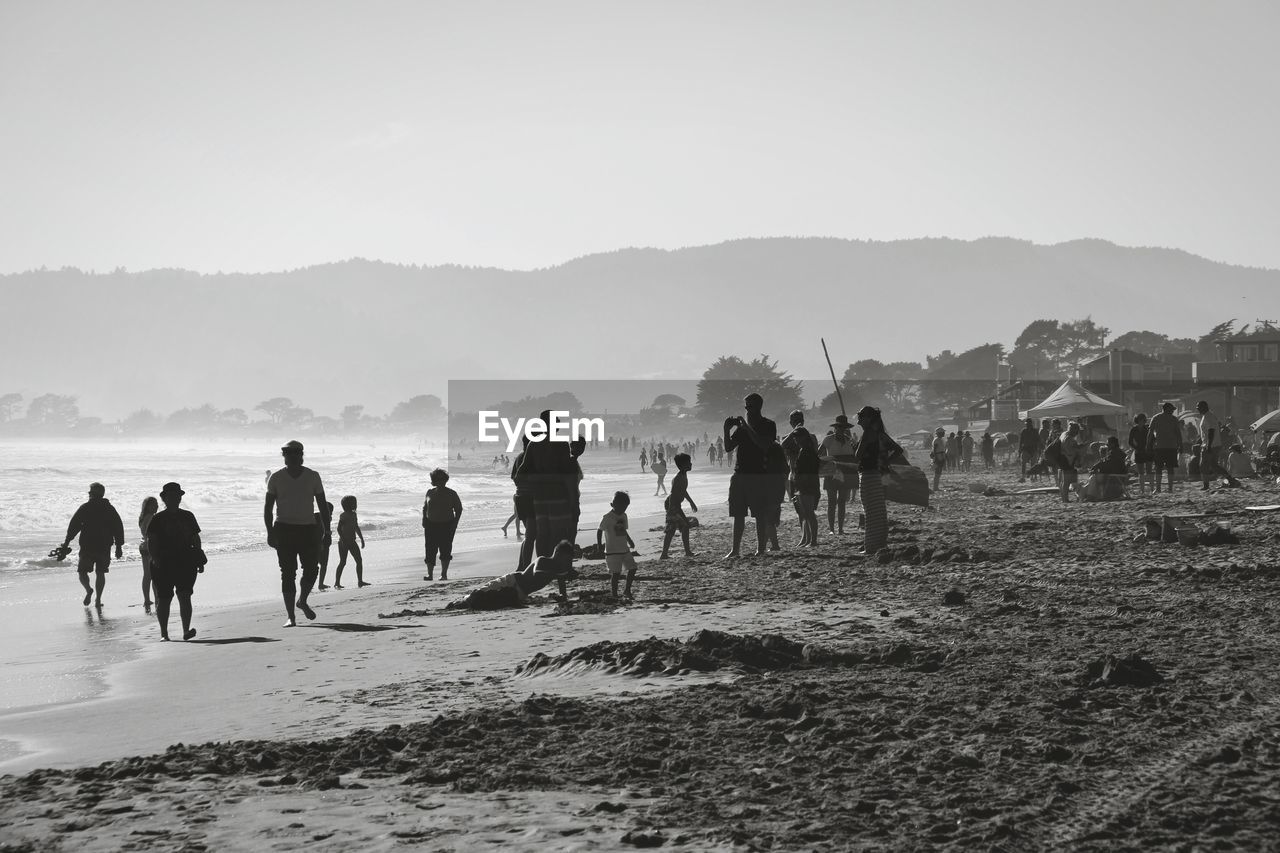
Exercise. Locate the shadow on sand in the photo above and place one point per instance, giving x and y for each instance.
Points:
(231, 640)
(352, 627)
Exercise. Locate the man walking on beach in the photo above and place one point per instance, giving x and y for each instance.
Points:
(98, 525)
(291, 527)
(749, 490)
(1028, 448)
(1210, 467)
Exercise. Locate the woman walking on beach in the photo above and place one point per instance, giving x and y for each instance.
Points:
(150, 506)
(659, 468)
(874, 451)
(174, 541)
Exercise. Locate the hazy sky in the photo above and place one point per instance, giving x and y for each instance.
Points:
(266, 135)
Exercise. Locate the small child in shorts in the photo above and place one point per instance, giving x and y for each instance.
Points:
(613, 538)
(676, 519)
(348, 530)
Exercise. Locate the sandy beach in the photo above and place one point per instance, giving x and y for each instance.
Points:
(953, 692)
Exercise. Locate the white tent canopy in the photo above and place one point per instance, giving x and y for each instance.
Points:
(1073, 400)
(1267, 423)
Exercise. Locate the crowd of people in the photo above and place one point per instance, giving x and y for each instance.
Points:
(768, 471)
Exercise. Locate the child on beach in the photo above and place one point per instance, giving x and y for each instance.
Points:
(326, 542)
(617, 544)
(348, 530)
(659, 468)
(676, 519)
(440, 515)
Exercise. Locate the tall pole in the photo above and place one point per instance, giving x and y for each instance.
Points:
(839, 396)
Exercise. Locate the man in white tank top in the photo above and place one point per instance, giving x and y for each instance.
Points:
(291, 527)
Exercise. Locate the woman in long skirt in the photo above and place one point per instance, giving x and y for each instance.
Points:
(873, 453)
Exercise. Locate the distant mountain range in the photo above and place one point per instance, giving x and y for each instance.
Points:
(367, 332)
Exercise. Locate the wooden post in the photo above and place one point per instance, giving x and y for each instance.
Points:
(839, 396)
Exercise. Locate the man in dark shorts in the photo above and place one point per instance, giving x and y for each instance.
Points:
(291, 527)
(1164, 438)
(98, 525)
(1028, 448)
(173, 539)
(749, 490)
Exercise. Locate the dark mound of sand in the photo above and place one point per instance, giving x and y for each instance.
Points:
(1111, 671)
(708, 651)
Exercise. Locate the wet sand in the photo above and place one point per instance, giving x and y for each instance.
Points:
(1045, 679)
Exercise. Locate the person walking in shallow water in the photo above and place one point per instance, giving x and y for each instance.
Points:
(150, 506)
(174, 539)
(291, 527)
(98, 525)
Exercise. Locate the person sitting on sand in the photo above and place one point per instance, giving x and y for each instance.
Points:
(291, 527)
(441, 512)
(513, 589)
(1109, 474)
(97, 524)
(615, 542)
(676, 519)
(150, 506)
(348, 530)
(1239, 464)
(174, 540)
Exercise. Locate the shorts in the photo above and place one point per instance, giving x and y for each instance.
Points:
(676, 522)
(1028, 456)
(806, 503)
(297, 544)
(1165, 457)
(439, 540)
(618, 562)
(748, 493)
(841, 490)
(99, 561)
(181, 581)
(524, 508)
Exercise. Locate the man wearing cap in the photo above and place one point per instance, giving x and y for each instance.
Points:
(291, 527)
(1164, 438)
(1211, 449)
(750, 437)
(173, 538)
(839, 449)
(97, 524)
(1028, 447)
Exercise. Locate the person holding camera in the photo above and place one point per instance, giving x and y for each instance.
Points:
(749, 490)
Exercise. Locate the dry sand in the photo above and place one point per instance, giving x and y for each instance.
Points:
(878, 717)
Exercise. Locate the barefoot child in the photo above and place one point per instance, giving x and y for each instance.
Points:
(348, 530)
(676, 519)
(617, 545)
(440, 515)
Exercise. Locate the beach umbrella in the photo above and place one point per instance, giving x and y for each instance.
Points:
(1267, 423)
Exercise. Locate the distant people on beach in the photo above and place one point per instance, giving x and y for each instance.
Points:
(876, 450)
(966, 452)
(613, 538)
(324, 539)
(348, 531)
(513, 589)
(177, 556)
(676, 520)
(441, 512)
(1210, 430)
(98, 526)
(938, 456)
(1139, 442)
(841, 482)
(293, 493)
(150, 506)
(988, 449)
(659, 469)
(1028, 448)
(749, 439)
(644, 460)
